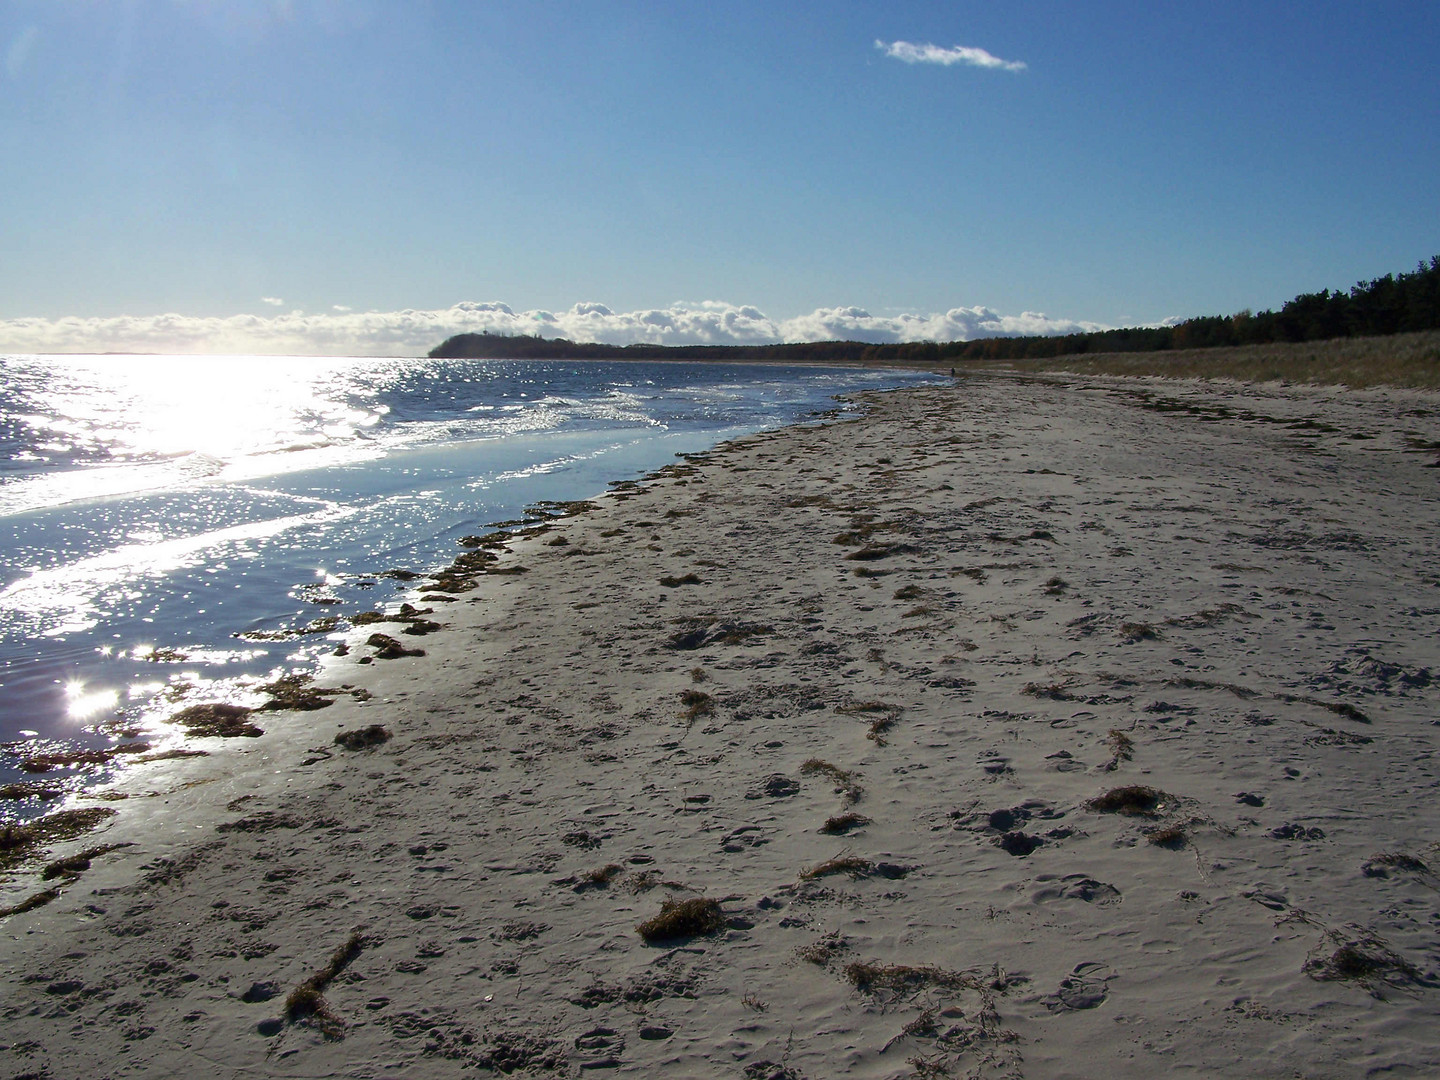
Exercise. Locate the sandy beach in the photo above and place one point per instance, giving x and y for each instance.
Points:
(1032, 727)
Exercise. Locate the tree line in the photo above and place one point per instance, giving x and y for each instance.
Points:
(1393, 304)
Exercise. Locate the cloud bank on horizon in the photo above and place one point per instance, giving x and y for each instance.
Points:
(912, 53)
(414, 333)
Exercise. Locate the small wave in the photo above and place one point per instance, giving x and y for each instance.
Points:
(64, 599)
(40, 491)
(299, 447)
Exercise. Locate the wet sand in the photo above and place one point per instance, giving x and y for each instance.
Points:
(1030, 727)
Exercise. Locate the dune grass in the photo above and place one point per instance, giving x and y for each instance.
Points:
(1408, 360)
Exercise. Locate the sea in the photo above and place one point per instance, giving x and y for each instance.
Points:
(176, 529)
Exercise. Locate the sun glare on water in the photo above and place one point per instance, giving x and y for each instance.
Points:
(223, 406)
(83, 703)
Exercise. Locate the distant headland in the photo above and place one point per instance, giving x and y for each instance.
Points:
(1393, 304)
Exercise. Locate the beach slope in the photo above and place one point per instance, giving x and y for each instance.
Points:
(1027, 727)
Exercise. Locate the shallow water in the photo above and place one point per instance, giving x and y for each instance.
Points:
(155, 507)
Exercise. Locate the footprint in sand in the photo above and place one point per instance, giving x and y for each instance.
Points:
(1005, 826)
(601, 1046)
(774, 786)
(1018, 843)
(1084, 988)
(995, 764)
(1291, 831)
(1077, 887)
(747, 836)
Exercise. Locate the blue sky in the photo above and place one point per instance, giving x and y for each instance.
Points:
(219, 159)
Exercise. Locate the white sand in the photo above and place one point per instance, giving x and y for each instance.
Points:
(1065, 564)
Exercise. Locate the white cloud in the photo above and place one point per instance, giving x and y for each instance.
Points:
(341, 307)
(957, 324)
(934, 54)
(414, 333)
(273, 301)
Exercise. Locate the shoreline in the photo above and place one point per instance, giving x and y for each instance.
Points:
(960, 619)
(352, 524)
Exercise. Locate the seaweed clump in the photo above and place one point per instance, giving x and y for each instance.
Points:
(218, 720)
(19, 842)
(307, 1001)
(1133, 800)
(68, 759)
(844, 779)
(1363, 958)
(697, 704)
(73, 865)
(363, 738)
(904, 979)
(841, 824)
(388, 648)
(30, 903)
(1173, 837)
(295, 692)
(17, 792)
(1380, 864)
(679, 919)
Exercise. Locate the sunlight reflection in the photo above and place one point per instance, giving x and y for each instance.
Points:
(83, 704)
(220, 406)
(69, 593)
(163, 421)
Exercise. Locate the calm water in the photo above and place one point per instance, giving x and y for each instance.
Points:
(152, 508)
